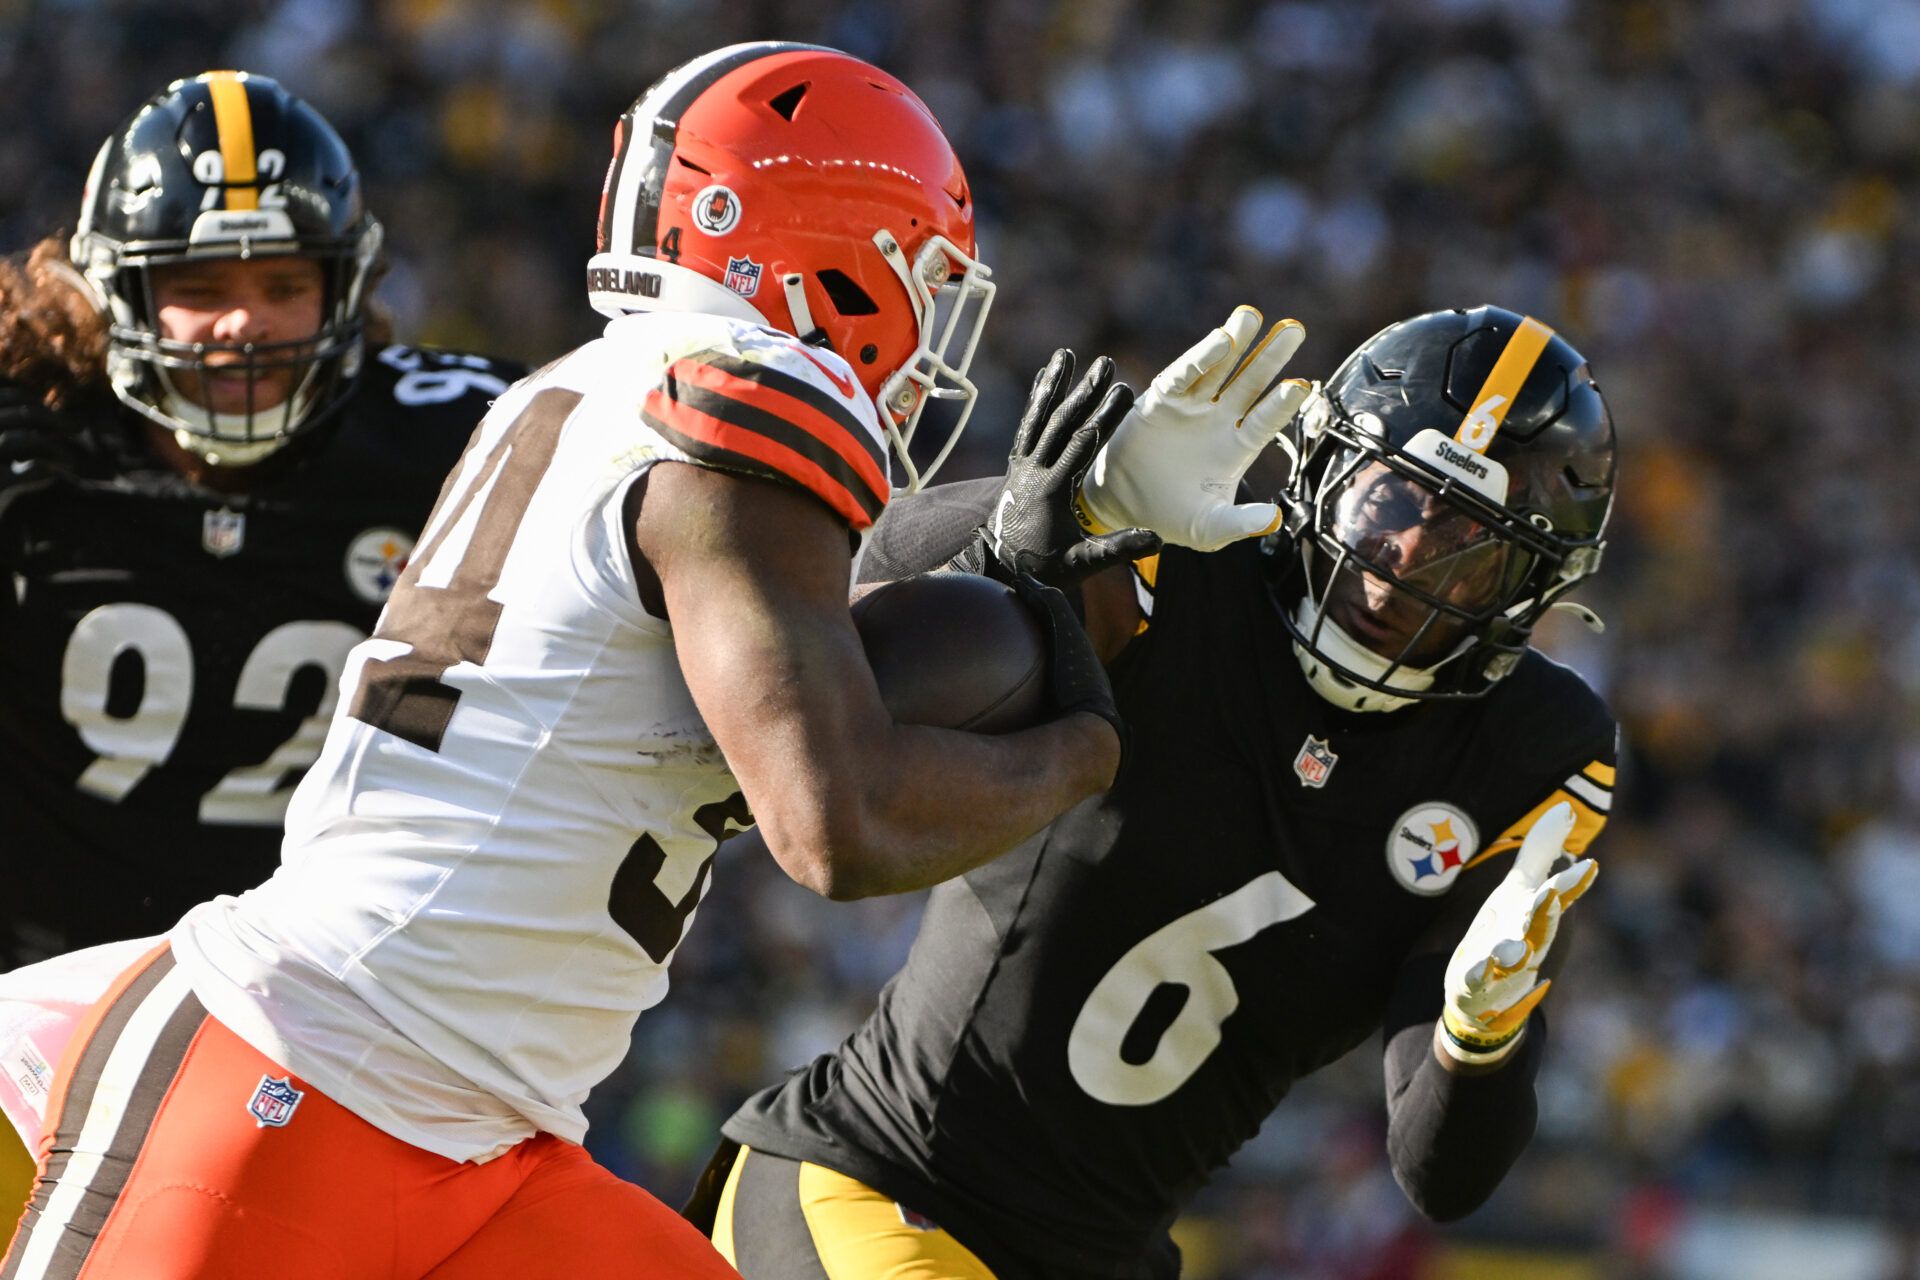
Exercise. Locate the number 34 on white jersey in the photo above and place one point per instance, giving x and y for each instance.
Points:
(515, 812)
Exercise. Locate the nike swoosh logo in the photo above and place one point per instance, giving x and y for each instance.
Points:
(1000, 522)
(844, 385)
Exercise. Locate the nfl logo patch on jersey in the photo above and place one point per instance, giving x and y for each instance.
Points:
(1314, 764)
(273, 1102)
(743, 276)
(223, 532)
(1429, 845)
(27, 1069)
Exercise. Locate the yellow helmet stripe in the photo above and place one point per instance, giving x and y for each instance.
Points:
(234, 120)
(1510, 371)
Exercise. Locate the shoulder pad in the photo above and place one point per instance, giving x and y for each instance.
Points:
(1571, 746)
(741, 397)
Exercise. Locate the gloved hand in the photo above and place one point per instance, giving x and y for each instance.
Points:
(37, 446)
(1175, 463)
(1033, 528)
(1075, 679)
(1492, 979)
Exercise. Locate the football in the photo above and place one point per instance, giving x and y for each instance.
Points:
(954, 650)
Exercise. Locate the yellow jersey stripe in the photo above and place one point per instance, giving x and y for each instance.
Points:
(1600, 772)
(1503, 383)
(1587, 823)
(233, 118)
(723, 1214)
(1145, 571)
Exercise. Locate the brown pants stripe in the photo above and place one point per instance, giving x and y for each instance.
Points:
(117, 1081)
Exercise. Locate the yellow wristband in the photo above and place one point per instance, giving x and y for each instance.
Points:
(1085, 517)
(1472, 1057)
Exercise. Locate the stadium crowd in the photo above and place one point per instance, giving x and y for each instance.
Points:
(1716, 200)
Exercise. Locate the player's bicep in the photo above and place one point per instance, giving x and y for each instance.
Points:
(754, 577)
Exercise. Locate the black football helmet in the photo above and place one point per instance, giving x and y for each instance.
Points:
(1451, 482)
(226, 165)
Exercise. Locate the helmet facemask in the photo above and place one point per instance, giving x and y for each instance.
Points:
(1417, 579)
(227, 166)
(145, 367)
(951, 294)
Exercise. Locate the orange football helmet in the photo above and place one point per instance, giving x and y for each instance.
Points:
(799, 187)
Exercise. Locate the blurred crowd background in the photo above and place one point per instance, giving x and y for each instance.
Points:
(1715, 199)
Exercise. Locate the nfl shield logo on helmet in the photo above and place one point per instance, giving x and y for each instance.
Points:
(743, 276)
(273, 1102)
(1315, 762)
(223, 532)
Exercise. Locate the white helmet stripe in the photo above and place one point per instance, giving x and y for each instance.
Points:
(640, 172)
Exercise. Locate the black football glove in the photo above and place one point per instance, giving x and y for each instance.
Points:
(1032, 528)
(37, 447)
(1075, 679)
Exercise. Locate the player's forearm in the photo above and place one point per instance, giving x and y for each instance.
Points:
(919, 532)
(939, 803)
(1452, 1135)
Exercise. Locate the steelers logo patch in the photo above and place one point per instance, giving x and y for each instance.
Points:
(375, 560)
(1428, 845)
(716, 210)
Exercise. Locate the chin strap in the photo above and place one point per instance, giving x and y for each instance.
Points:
(794, 286)
(1343, 649)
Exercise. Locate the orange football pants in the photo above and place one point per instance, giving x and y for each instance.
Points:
(176, 1150)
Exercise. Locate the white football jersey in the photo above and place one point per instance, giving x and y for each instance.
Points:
(518, 804)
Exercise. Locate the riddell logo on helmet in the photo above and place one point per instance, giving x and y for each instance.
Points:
(641, 284)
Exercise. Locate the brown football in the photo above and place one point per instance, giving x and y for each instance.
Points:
(954, 650)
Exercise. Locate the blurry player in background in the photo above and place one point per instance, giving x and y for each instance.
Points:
(1341, 736)
(211, 473)
(625, 633)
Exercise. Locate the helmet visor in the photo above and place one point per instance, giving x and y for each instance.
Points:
(1407, 571)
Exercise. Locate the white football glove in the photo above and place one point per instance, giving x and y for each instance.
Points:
(1492, 980)
(1175, 462)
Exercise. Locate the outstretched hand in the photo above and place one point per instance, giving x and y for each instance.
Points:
(1493, 980)
(1174, 464)
(1032, 528)
(37, 447)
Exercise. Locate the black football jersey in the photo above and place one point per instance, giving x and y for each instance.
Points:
(169, 655)
(1087, 1027)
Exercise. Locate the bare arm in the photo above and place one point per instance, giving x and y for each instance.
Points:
(754, 577)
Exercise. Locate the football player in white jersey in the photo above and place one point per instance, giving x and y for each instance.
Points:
(623, 634)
